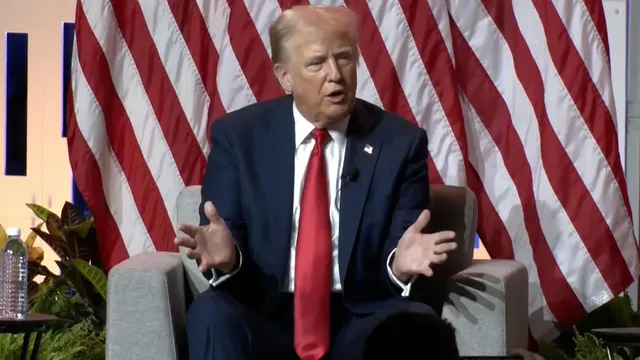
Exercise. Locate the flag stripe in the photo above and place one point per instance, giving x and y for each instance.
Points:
(262, 13)
(596, 12)
(440, 13)
(430, 39)
(563, 238)
(96, 133)
(384, 74)
(557, 225)
(489, 224)
(252, 56)
(417, 85)
(204, 54)
(502, 198)
(595, 58)
(161, 95)
(122, 137)
(232, 84)
(562, 147)
(87, 174)
(172, 51)
(440, 78)
(494, 114)
(583, 91)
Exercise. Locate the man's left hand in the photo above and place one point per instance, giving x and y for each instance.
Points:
(416, 252)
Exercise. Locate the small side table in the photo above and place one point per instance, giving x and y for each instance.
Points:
(34, 323)
(616, 337)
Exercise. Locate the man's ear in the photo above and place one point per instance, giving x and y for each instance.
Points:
(283, 77)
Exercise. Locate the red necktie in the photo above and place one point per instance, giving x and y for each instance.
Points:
(312, 291)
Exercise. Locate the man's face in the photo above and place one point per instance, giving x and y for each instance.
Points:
(322, 74)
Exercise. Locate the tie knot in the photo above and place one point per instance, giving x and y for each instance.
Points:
(320, 136)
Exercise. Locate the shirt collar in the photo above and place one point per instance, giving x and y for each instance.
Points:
(303, 128)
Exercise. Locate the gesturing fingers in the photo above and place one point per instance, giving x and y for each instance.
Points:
(426, 271)
(186, 241)
(439, 258)
(190, 230)
(445, 247)
(444, 236)
(193, 254)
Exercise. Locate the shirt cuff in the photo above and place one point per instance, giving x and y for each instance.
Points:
(406, 288)
(217, 280)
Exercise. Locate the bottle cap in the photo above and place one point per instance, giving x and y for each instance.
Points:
(13, 232)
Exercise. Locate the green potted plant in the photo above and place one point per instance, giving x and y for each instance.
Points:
(578, 343)
(77, 294)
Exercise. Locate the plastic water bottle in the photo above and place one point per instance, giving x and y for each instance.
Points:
(13, 277)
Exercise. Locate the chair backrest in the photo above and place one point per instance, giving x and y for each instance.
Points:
(452, 208)
(455, 208)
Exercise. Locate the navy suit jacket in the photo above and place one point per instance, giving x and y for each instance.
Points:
(249, 179)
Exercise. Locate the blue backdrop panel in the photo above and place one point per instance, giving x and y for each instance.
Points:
(17, 51)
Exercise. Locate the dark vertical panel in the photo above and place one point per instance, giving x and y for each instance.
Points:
(67, 49)
(16, 107)
(78, 200)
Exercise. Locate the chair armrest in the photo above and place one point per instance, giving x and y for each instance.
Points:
(488, 306)
(146, 307)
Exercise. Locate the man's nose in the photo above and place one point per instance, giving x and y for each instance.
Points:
(333, 69)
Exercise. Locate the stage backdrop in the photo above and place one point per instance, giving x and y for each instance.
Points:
(34, 164)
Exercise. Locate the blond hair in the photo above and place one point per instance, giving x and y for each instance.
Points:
(298, 18)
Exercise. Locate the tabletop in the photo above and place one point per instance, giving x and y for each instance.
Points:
(624, 334)
(34, 322)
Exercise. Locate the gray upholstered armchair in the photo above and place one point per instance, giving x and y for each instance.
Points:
(487, 300)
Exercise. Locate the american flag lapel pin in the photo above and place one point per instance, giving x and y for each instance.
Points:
(368, 149)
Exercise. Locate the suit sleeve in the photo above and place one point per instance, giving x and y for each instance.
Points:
(412, 199)
(221, 186)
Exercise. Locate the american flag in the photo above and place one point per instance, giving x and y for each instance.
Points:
(516, 98)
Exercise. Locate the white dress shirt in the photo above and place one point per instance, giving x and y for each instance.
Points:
(334, 152)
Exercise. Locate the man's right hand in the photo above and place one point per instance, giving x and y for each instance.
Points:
(417, 252)
(211, 244)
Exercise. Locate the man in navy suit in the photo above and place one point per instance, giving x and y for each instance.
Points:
(313, 210)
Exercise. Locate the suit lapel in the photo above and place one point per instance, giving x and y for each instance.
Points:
(278, 149)
(362, 154)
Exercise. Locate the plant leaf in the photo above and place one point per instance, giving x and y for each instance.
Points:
(36, 254)
(77, 281)
(81, 229)
(41, 212)
(32, 236)
(54, 224)
(78, 248)
(56, 243)
(91, 242)
(35, 269)
(3, 237)
(70, 216)
(95, 276)
(64, 268)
